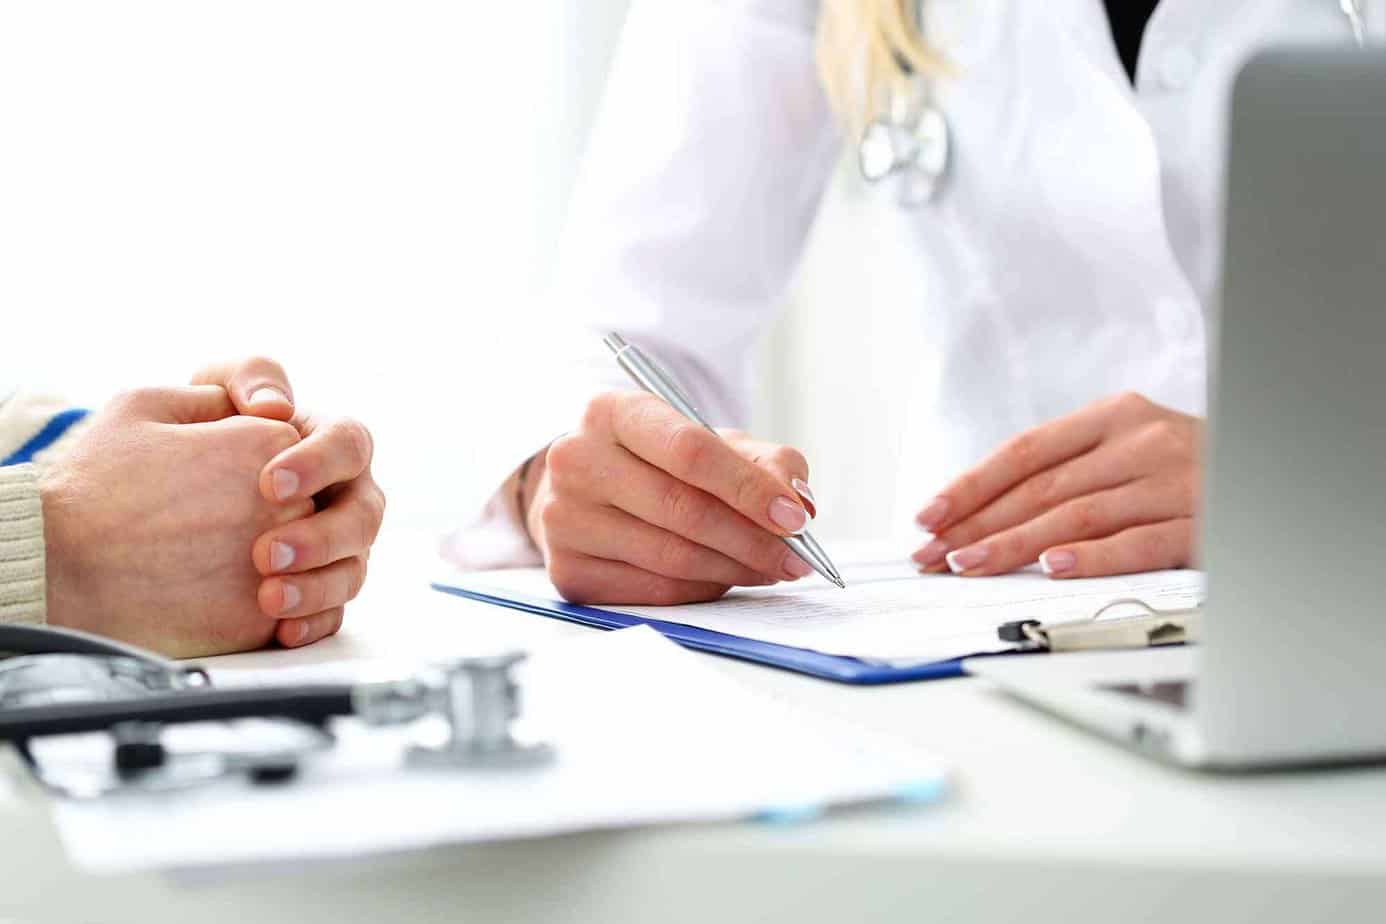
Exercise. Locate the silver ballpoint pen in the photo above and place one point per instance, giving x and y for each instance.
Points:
(649, 376)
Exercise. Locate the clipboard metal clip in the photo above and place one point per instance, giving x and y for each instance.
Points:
(1149, 628)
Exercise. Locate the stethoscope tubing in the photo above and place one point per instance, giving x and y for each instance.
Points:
(314, 704)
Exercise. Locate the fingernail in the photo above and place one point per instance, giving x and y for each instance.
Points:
(932, 553)
(292, 597)
(796, 567)
(806, 495)
(966, 559)
(267, 393)
(281, 556)
(301, 635)
(788, 515)
(931, 516)
(285, 483)
(1058, 561)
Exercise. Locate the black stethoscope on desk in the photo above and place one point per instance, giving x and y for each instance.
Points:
(59, 682)
(911, 142)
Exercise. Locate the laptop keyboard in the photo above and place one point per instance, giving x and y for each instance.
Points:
(1171, 692)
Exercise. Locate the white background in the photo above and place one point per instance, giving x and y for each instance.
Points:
(370, 192)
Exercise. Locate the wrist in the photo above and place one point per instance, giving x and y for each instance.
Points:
(528, 479)
(59, 551)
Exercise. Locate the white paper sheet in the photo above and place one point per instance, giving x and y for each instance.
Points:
(644, 734)
(889, 612)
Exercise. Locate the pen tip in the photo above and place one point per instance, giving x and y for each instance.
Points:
(841, 583)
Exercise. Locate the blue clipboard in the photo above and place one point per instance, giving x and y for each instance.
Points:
(801, 660)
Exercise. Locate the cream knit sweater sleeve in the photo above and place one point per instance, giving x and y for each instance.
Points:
(33, 431)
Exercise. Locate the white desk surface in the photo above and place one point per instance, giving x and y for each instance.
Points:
(1045, 823)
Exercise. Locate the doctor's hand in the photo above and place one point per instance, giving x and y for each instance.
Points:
(1109, 489)
(313, 565)
(641, 505)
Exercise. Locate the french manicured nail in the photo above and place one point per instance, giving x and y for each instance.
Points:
(788, 515)
(292, 597)
(931, 516)
(966, 559)
(932, 553)
(806, 495)
(266, 393)
(1058, 561)
(281, 556)
(285, 483)
(796, 567)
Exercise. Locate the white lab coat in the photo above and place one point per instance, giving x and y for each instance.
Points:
(1070, 253)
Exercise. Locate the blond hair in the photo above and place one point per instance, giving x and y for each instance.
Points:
(866, 50)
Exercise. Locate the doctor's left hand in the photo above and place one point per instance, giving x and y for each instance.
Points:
(1109, 489)
(311, 567)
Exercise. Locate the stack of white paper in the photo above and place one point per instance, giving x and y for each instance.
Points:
(644, 734)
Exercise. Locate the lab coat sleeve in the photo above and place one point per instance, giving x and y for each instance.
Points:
(700, 183)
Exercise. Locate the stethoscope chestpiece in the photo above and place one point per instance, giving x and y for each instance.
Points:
(912, 148)
(479, 699)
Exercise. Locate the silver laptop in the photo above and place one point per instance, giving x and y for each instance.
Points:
(1291, 668)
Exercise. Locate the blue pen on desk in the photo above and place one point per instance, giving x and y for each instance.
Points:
(650, 377)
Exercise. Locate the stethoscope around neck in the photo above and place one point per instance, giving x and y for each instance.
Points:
(911, 142)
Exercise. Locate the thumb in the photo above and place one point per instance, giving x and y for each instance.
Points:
(180, 404)
(258, 387)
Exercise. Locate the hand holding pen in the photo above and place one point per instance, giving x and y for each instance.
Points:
(643, 504)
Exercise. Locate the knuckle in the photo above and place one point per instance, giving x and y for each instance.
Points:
(274, 436)
(1020, 449)
(1013, 547)
(553, 514)
(964, 490)
(567, 578)
(354, 442)
(688, 510)
(1044, 489)
(564, 457)
(376, 499)
(356, 578)
(1159, 435)
(316, 596)
(1087, 514)
(1131, 403)
(673, 556)
(747, 489)
(317, 550)
(367, 522)
(262, 364)
(688, 447)
(596, 416)
(132, 400)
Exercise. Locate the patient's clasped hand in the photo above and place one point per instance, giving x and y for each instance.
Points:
(209, 518)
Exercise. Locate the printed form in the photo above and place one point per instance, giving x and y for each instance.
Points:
(889, 612)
